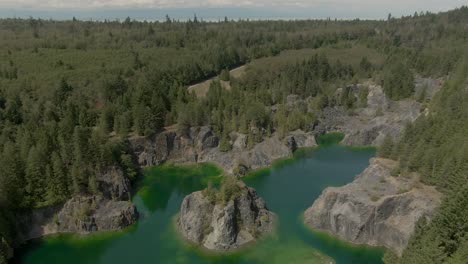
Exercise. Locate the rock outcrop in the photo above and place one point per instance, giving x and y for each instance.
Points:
(201, 145)
(108, 211)
(377, 208)
(381, 117)
(225, 225)
(80, 215)
(113, 184)
(369, 125)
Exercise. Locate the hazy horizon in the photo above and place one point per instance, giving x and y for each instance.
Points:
(218, 9)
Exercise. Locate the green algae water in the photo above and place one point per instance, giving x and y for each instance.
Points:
(289, 188)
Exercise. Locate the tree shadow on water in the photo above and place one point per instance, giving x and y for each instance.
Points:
(159, 183)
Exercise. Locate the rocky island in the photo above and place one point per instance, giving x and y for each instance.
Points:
(225, 219)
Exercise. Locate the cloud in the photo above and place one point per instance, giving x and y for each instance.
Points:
(363, 4)
(214, 9)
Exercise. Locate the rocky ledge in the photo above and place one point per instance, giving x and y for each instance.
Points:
(225, 220)
(79, 215)
(108, 210)
(377, 208)
(200, 145)
(381, 117)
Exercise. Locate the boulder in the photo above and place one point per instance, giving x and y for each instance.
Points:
(377, 208)
(224, 225)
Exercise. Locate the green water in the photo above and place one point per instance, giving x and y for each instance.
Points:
(288, 188)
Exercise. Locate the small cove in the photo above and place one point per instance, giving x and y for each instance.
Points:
(288, 189)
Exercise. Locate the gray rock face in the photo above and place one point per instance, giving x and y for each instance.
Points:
(201, 145)
(375, 209)
(93, 213)
(380, 118)
(173, 146)
(114, 185)
(370, 125)
(80, 215)
(110, 210)
(147, 152)
(303, 139)
(261, 155)
(225, 226)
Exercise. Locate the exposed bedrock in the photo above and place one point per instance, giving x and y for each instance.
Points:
(201, 145)
(110, 210)
(369, 125)
(222, 225)
(377, 208)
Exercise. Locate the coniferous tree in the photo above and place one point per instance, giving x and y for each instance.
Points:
(225, 75)
(386, 149)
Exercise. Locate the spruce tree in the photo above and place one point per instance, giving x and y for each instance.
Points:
(386, 149)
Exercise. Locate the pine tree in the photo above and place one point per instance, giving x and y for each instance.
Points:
(35, 172)
(224, 144)
(11, 177)
(225, 75)
(58, 185)
(386, 150)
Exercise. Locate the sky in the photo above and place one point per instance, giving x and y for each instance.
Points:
(212, 9)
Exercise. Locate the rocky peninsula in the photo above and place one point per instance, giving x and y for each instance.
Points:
(377, 208)
(225, 219)
(108, 210)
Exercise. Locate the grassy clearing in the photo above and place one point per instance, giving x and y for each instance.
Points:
(201, 89)
(346, 53)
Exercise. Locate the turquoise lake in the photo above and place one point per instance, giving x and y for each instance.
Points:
(288, 188)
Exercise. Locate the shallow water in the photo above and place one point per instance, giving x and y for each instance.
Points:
(288, 188)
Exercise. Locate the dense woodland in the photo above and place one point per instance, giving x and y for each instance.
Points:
(72, 92)
(436, 146)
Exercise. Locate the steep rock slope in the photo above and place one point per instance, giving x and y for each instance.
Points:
(201, 145)
(369, 125)
(377, 208)
(225, 225)
(109, 210)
